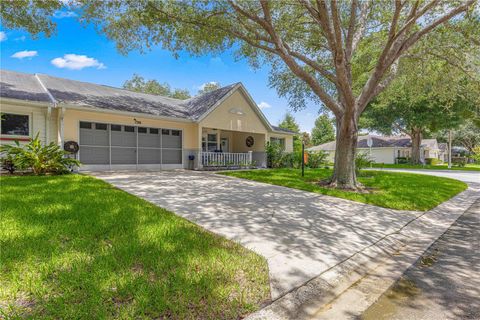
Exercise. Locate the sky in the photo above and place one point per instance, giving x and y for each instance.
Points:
(78, 52)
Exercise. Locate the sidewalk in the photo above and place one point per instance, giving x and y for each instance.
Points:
(332, 294)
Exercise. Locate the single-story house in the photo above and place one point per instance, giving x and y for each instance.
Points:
(120, 129)
(386, 149)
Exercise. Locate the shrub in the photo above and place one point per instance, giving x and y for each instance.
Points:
(38, 158)
(7, 164)
(274, 153)
(476, 154)
(459, 161)
(316, 159)
(362, 160)
(402, 160)
(432, 161)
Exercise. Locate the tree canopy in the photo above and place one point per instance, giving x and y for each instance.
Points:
(209, 86)
(139, 84)
(323, 131)
(289, 123)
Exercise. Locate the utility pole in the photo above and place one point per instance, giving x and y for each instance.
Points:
(449, 149)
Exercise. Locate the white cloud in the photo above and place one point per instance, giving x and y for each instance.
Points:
(201, 87)
(24, 54)
(77, 62)
(22, 38)
(64, 14)
(3, 36)
(264, 105)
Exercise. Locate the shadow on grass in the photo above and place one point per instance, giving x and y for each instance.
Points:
(75, 247)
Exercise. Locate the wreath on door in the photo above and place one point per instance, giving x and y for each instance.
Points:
(249, 141)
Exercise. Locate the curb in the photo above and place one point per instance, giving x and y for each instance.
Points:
(385, 260)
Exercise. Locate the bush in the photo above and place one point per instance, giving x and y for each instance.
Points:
(459, 161)
(432, 161)
(274, 153)
(316, 159)
(362, 160)
(402, 160)
(38, 158)
(476, 154)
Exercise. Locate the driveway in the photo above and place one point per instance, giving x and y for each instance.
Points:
(301, 234)
(466, 176)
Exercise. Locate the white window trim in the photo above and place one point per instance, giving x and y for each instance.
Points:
(30, 125)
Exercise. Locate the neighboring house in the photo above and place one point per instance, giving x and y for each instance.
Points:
(121, 129)
(443, 151)
(386, 149)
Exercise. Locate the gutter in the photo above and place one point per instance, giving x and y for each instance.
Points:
(49, 113)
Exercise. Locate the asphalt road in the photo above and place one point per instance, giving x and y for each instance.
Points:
(444, 283)
(466, 176)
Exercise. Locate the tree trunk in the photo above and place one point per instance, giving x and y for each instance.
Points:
(344, 176)
(416, 136)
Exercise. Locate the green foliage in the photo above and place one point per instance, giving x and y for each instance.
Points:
(459, 161)
(35, 17)
(139, 84)
(403, 160)
(38, 158)
(476, 154)
(274, 153)
(432, 161)
(289, 123)
(316, 159)
(75, 247)
(210, 86)
(396, 190)
(323, 131)
(362, 161)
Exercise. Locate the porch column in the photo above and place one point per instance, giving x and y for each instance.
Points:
(199, 152)
(219, 132)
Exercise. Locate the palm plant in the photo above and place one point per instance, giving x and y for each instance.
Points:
(39, 158)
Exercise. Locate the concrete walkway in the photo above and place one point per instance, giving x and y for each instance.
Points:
(301, 234)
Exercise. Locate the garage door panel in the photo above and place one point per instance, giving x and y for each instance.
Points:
(149, 140)
(123, 138)
(93, 137)
(94, 155)
(171, 156)
(172, 141)
(124, 155)
(149, 156)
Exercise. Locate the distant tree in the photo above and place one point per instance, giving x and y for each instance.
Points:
(323, 131)
(289, 123)
(467, 135)
(210, 86)
(307, 140)
(139, 84)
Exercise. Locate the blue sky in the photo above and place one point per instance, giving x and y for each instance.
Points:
(104, 65)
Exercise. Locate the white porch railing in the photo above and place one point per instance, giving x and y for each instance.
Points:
(226, 159)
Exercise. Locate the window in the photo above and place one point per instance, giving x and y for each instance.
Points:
(101, 126)
(115, 127)
(212, 142)
(142, 130)
(129, 129)
(166, 132)
(176, 133)
(280, 141)
(15, 124)
(153, 131)
(84, 125)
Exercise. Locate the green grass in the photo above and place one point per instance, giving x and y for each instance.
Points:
(468, 167)
(74, 247)
(394, 190)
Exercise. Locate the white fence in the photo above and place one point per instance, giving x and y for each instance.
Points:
(226, 159)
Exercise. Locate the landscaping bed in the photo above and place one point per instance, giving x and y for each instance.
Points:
(467, 167)
(76, 247)
(403, 191)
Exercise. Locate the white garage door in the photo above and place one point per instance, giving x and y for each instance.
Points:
(113, 146)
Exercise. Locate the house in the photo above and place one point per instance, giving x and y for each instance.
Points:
(386, 149)
(120, 129)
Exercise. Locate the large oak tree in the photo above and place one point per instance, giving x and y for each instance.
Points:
(341, 54)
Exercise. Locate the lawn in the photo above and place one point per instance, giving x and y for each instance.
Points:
(394, 190)
(468, 167)
(74, 247)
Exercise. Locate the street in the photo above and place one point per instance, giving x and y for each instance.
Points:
(444, 283)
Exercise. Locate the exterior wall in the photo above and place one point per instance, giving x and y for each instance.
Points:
(223, 118)
(379, 155)
(38, 122)
(73, 117)
(239, 145)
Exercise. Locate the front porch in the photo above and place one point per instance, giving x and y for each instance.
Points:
(226, 149)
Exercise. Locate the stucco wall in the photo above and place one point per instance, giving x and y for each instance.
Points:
(73, 117)
(379, 155)
(224, 116)
(38, 121)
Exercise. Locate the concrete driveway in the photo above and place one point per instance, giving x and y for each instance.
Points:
(301, 234)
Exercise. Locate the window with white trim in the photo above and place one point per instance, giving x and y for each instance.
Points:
(15, 124)
(279, 141)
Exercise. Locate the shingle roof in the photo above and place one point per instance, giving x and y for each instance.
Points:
(22, 86)
(275, 128)
(380, 142)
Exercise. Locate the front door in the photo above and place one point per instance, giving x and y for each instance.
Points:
(224, 145)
